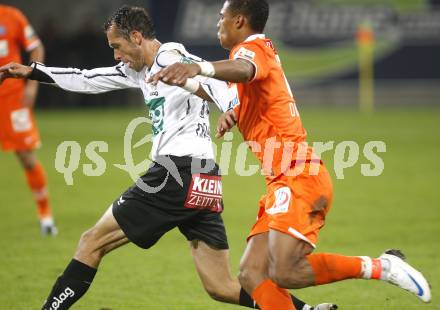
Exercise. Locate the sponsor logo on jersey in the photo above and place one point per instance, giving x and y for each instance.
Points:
(21, 120)
(244, 53)
(156, 113)
(282, 201)
(205, 192)
(29, 32)
(2, 30)
(4, 48)
(57, 301)
(186, 60)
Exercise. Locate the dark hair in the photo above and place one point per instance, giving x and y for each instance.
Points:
(257, 11)
(131, 18)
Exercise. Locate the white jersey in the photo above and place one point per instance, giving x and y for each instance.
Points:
(180, 120)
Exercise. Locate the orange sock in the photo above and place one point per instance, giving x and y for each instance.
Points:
(332, 267)
(268, 296)
(36, 179)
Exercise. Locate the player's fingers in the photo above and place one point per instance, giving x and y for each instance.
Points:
(180, 78)
(154, 79)
(5, 67)
(12, 72)
(220, 127)
(165, 75)
(232, 113)
(173, 75)
(225, 125)
(220, 132)
(229, 121)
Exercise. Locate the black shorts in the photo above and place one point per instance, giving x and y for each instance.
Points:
(181, 192)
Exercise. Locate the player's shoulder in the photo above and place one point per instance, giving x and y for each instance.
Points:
(250, 48)
(10, 12)
(169, 52)
(170, 46)
(257, 43)
(172, 52)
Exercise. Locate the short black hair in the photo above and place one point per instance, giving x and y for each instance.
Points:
(131, 18)
(257, 11)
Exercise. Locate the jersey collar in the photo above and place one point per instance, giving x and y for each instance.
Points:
(255, 36)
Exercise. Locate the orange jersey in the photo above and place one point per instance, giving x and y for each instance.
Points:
(266, 111)
(15, 34)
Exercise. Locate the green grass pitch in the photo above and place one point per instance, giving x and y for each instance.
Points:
(399, 208)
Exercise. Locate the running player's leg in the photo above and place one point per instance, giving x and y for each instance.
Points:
(212, 265)
(255, 279)
(214, 270)
(103, 237)
(20, 134)
(37, 182)
(293, 235)
(292, 267)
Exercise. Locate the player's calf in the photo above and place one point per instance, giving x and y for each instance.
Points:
(295, 274)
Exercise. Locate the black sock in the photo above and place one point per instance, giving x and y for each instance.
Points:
(299, 304)
(70, 286)
(247, 301)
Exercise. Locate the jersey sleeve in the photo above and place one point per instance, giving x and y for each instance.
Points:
(27, 35)
(94, 81)
(255, 55)
(219, 92)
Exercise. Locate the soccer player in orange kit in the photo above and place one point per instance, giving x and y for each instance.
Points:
(299, 189)
(18, 131)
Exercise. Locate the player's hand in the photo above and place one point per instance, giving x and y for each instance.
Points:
(175, 74)
(14, 70)
(225, 122)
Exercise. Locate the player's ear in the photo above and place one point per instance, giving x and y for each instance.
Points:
(240, 21)
(136, 37)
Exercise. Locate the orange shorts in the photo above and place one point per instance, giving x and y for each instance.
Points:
(296, 205)
(18, 131)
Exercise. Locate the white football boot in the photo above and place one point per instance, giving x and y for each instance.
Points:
(396, 271)
(325, 306)
(47, 227)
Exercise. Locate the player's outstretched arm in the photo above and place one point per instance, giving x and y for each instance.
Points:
(93, 81)
(14, 70)
(236, 71)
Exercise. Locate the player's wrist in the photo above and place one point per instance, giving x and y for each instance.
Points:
(191, 85)
(32, 69)
(206, 68)
(28, 72)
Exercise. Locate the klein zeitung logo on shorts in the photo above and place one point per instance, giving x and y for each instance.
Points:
(229, 156)
(205, 192)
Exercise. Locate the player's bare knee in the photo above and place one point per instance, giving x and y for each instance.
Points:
(27, 159)
(250, 275)
(244, 275)
(88, 244)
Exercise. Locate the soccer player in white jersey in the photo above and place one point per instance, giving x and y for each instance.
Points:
(183, 163)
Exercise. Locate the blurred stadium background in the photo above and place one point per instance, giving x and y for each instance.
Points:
(320, 54)
(316, 39)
